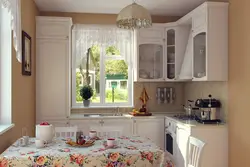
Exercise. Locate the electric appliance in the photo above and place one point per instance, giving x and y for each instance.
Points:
(170, 145)
(209, 110)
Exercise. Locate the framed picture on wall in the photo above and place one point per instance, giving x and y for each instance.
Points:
(26, 54)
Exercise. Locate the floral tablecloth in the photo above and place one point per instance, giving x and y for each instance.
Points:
(131, 151)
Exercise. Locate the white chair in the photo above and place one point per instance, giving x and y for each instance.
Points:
(66, 132)
(107, 131)
(194, 152)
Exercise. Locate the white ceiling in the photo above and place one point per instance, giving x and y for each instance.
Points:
(156, 7)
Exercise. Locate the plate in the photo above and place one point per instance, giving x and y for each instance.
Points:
(87, 144)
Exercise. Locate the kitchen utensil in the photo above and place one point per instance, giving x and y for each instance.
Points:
(92, 134)
(45, 132)
(110, 142)
(24, 141)
(40, 143)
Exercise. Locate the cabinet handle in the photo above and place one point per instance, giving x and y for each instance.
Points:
(67, 37)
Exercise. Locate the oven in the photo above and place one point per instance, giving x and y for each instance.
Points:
(170, 139)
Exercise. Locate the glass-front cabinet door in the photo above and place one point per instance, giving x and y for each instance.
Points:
(171, 56)
(151, 60)
(199, 59)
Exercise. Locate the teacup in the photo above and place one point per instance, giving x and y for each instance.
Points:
(92, 134)
(111, 142)
(40, 143)
(24, 141)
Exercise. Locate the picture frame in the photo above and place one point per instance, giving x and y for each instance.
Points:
(26, 54)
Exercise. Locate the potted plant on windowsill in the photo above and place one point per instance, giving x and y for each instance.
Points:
(86, 93)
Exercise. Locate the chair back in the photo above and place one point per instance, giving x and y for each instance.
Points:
(194, 152)
(107, 131)
(66, 132)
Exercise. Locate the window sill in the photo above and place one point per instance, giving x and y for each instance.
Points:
(5, 128)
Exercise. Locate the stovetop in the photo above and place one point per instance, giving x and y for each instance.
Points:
(185, 117)
(195, 118)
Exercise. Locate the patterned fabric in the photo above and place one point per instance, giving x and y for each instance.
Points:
(131, 151)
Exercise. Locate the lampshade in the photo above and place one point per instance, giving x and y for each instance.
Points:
(134, 16)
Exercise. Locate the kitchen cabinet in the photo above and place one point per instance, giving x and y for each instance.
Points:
(176, 41)
(52, 68)
(150, 44)
(214, 136)
(210, 42)
(160, 52)
(124, 125)
(150, 128)
(182, 139)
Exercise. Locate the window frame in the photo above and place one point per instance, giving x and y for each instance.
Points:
(103, 58)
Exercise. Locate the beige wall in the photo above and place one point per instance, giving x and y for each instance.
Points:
(239, 83)
(23, 87)
(90, 18)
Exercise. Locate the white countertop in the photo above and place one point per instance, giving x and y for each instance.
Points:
(124, 116)
(193, 123)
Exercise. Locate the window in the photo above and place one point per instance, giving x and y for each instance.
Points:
(5, 66)
(109, 65)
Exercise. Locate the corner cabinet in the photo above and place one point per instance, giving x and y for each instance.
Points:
(160, 52)
(176, 41)
(52, 68)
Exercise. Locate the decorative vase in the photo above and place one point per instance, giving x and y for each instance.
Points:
(86, 103)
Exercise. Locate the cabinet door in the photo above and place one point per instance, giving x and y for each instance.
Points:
(152, 129)
(200, 54)
(182, 146)
(86, 125)
(52, 79)
(125, 125)
(151, 60)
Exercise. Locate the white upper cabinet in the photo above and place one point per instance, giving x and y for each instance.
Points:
(210, 42)
(176, 41)
(193, 48)
(53, 68)
(150, 54)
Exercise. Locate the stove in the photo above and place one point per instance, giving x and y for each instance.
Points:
(185, 117)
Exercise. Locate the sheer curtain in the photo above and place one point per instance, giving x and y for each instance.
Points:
(85, 36)
(14, 7)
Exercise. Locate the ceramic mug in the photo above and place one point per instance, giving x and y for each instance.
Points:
(24, 141)
(40, 143)
(111, 142)
(92, 134)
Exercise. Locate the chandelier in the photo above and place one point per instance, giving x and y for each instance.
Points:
(134, 16)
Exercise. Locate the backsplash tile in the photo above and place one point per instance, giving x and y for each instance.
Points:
(152, 104)
(218, 90)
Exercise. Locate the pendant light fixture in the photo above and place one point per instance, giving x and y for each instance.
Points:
(134, 16)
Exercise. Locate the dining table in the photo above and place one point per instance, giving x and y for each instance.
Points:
(134, 151)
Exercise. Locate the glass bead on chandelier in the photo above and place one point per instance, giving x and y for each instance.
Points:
(134, 16)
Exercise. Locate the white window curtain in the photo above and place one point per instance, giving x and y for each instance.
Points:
(14, 7)
(85, 36)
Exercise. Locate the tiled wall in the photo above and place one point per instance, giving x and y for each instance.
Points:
(219, 90)
(152, 104)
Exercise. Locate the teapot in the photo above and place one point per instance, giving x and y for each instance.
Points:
(45, 132)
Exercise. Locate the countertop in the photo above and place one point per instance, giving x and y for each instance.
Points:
(193, 123)
(123, 116)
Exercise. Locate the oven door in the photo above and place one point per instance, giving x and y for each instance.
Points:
(170, 144)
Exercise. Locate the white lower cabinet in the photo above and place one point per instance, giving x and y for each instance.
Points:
(182, 138)
(152, 128)
(125, 125)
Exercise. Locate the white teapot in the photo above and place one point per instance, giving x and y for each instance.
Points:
(45, 132)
